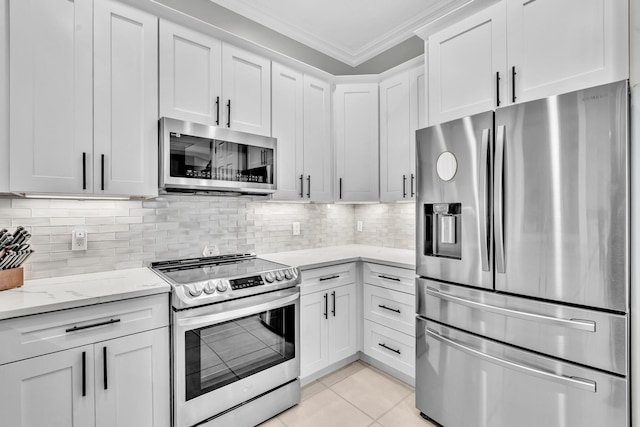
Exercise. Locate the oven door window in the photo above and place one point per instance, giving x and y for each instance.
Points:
(223, 353)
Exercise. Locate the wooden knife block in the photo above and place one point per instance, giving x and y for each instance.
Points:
(12, 278)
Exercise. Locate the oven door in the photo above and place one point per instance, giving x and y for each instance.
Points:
(225, 354)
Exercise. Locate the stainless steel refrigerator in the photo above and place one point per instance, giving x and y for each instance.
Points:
(523, 256)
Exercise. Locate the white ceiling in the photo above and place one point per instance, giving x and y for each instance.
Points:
(351, 31)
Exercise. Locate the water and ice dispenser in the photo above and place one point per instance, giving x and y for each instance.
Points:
(443, 230)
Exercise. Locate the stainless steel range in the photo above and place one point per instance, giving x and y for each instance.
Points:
(235, 339)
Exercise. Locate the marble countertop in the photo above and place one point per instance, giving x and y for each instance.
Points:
(306, 259)
(58, 293)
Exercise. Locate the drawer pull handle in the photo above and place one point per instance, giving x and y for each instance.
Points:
(382, 276)
(389, 348)
(335, 276)
(388, 308)
(93, 325)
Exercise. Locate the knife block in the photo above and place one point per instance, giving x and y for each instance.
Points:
(12, 278)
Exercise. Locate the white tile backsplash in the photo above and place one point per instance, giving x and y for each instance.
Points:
(125, 234)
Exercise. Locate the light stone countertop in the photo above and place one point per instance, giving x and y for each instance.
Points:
(58, 293)
(306, 259)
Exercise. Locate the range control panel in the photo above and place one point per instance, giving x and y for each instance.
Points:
(246, 282)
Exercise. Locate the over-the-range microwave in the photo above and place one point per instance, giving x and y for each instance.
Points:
(197, 158)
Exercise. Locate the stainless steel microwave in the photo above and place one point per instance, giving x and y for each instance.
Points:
(199, 158)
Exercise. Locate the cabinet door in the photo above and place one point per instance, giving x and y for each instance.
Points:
(463, 61)
(48, 390)
(562, 46)
(246, 87)
(418, 114)
(395, 138)
(287, 126)
(342, 322)
(51, 120)
(4, 96)
(318, 168)
(125, 100)
(314, 351)
(132, 380)
(357, 142)
(190, 75)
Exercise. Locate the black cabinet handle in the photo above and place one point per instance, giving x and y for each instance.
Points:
(229, 113)
(498, 89)
(301, 186)
(389, 348)
(309, 186)
(388, 308)
(513, 84)
(340, 188)
(84, 373)
(413, 178)
(333, 311)
(322, 279)
(404, 186)
(217, 110)
(382, 276)
(93, 325)
(102, 172)
(326, 306)
(84, 171)
(104, 367)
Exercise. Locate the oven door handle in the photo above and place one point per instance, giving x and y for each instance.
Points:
(211, 319)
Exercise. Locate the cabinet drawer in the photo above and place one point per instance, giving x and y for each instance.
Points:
(40, 334)
(390, 308)
(399, 279)
(390, 346)
(319, 279)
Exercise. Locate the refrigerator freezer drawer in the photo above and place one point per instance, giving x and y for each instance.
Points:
(464, 380)
(588, 337)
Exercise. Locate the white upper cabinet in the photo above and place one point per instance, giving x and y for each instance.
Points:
(317, 163)
(558, 46)
(4, 96)
(246, 89)
(190, 75)
(465, 62)
(356, 128)
(516, 51)
(83, 98)
(51, 121)
(125, 100)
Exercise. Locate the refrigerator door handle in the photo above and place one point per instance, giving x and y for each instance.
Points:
(576, 382)
(484, 196)
(583, 325)
(498, 201)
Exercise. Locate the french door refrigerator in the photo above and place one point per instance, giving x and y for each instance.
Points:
(523, 256)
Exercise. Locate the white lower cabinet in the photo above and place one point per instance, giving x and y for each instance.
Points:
(328, 320)
(390, 347)
(118, 382)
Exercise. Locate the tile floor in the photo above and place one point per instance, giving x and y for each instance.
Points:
(357, 395)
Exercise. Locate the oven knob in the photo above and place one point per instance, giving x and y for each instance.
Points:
(279, 276)
(195, 290)
(221, 286)
(287, 274)
(210, 287)
(269, 277)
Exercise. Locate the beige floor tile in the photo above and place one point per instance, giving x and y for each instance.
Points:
(342, 373)
(371, 392)
(324, 409)
(404, 414)
(375, 425)
(311, 389)
(273, 422)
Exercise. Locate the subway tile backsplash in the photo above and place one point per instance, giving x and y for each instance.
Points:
(125, 234)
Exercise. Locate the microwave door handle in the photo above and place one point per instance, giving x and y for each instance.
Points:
(483, 220)
(498, 200)
(200, 321)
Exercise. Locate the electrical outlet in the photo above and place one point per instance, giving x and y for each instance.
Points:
(359, 225)
(210, 250)
(296, 228)
(79, 240)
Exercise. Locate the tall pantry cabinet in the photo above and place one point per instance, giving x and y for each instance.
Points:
(83, 98)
